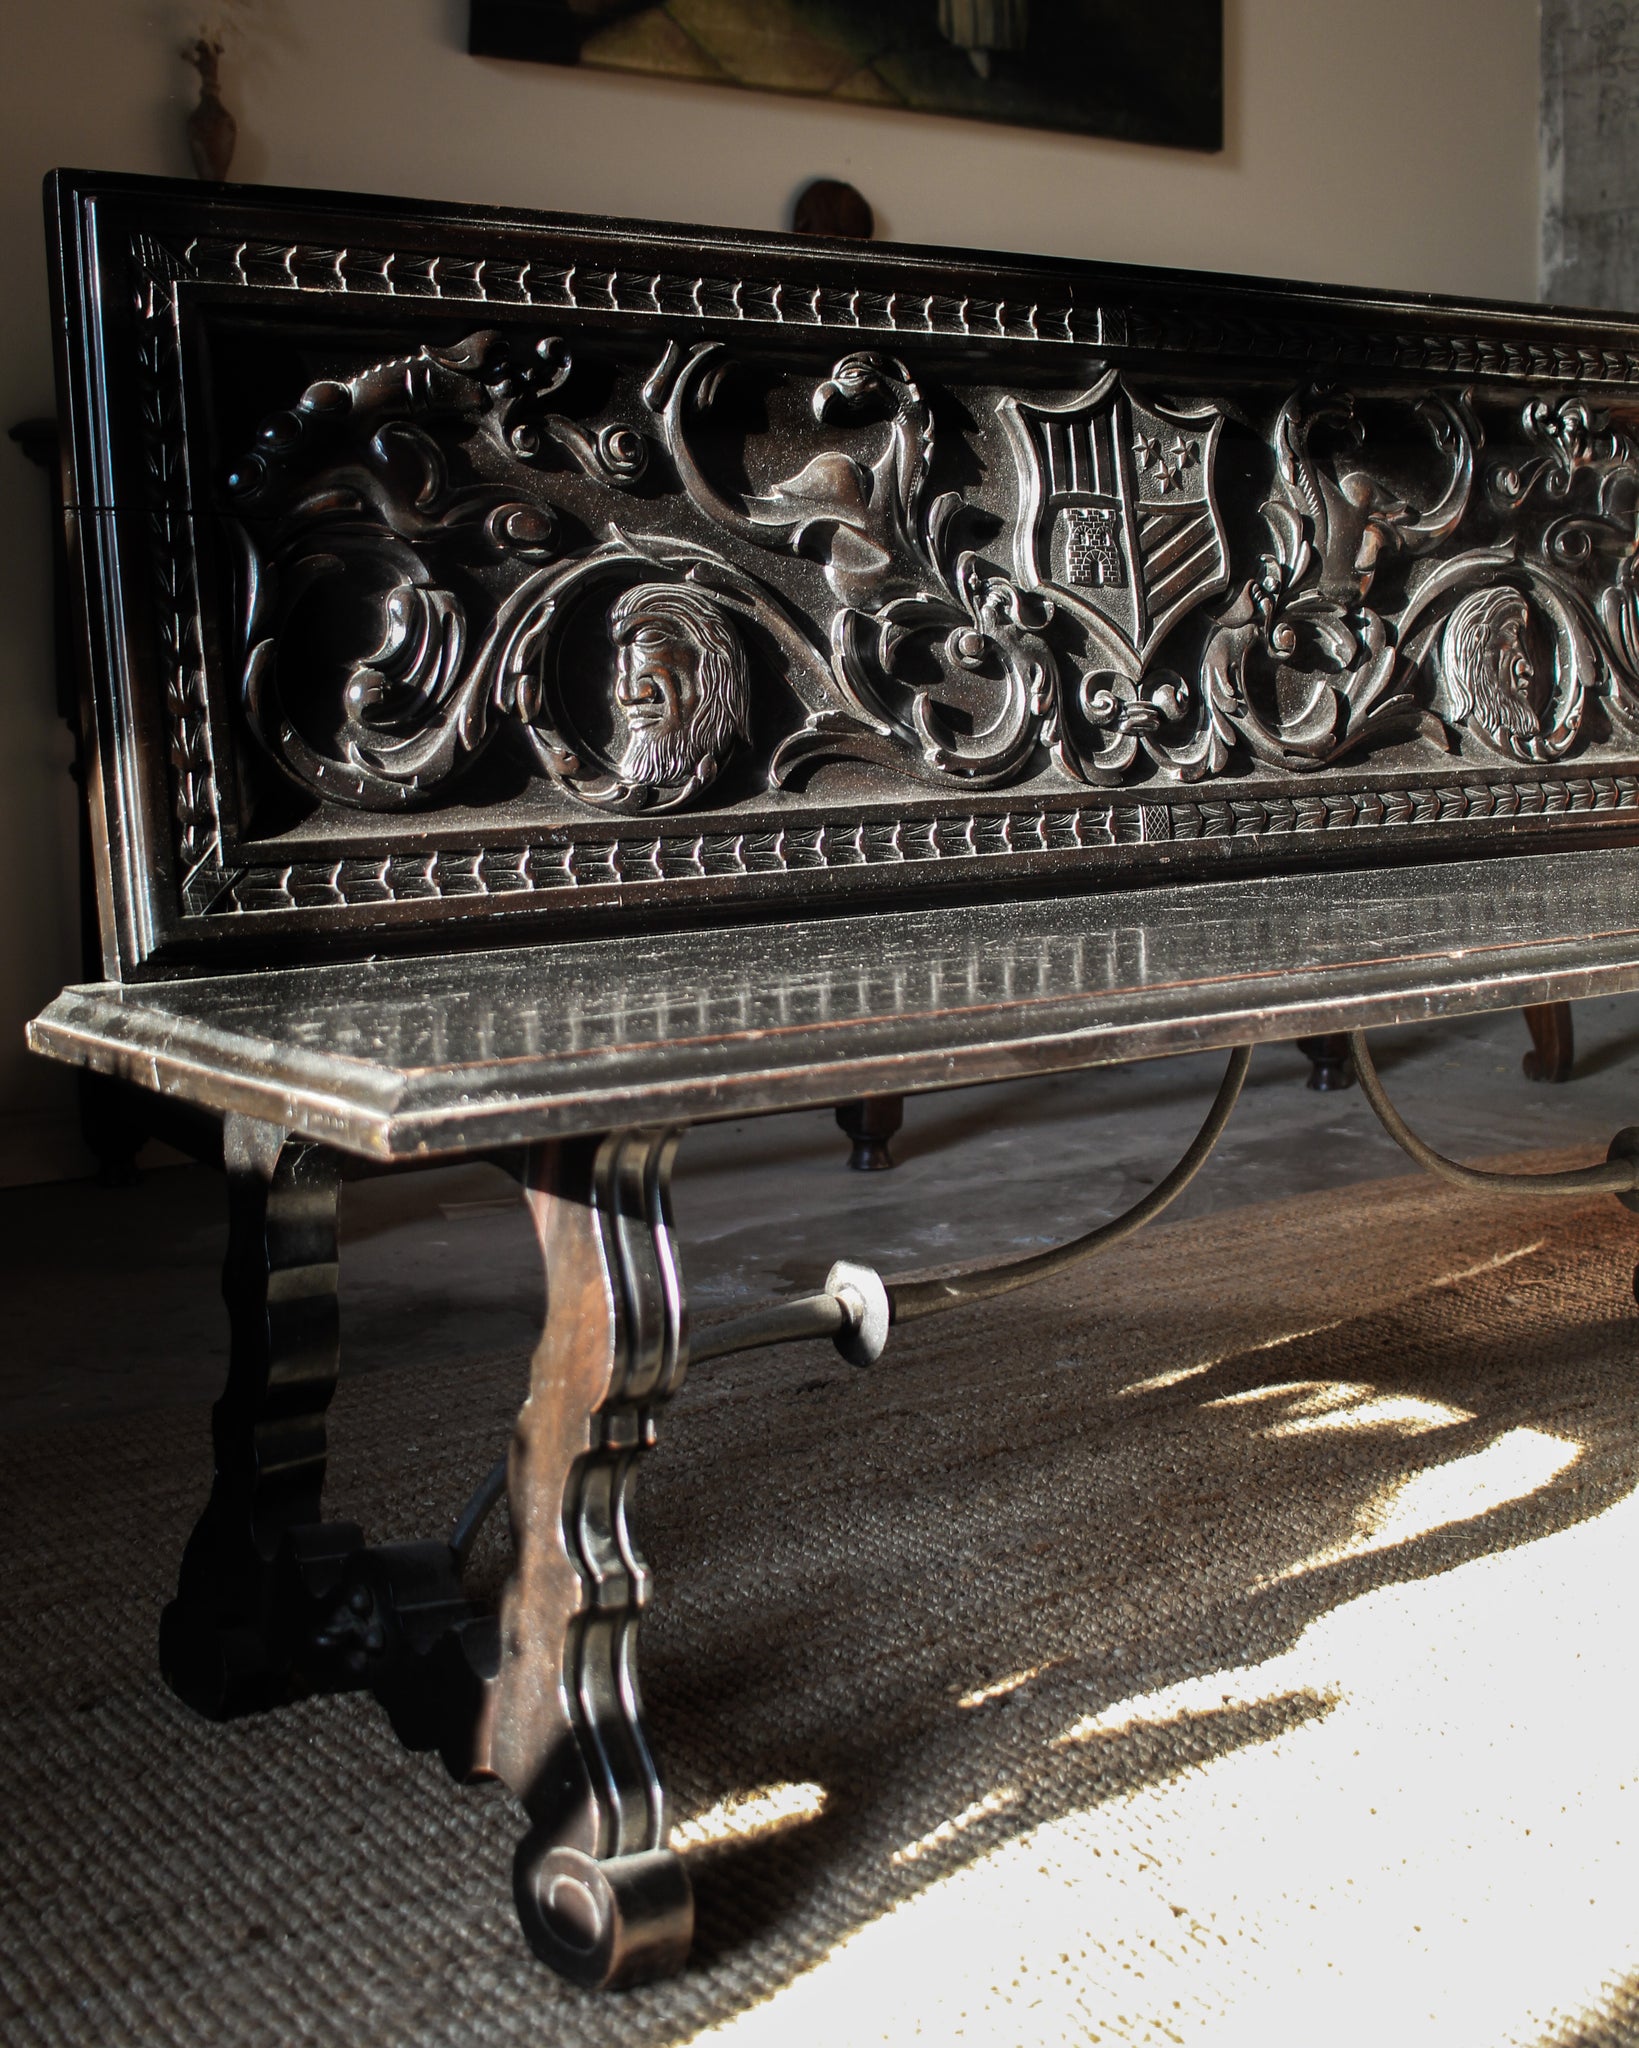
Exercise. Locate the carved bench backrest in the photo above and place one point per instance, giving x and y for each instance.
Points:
(449, 576)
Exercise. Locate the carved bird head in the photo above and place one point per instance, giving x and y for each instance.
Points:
(854, 378)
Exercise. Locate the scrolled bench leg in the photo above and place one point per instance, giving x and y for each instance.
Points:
(1328, 1057)
(1553, 1042)
(603, 1924)
(230, 1640)
(870, 1123)
(600, 1894)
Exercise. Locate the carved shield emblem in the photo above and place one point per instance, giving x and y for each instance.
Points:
(1116, 516)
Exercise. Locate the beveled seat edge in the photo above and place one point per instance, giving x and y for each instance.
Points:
(380, 1110)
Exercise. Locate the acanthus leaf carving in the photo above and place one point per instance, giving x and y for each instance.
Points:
(353, 485)
(430, 501)
(940, 669)
(1302, 665)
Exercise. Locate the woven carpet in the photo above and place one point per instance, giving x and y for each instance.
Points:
(1231, 1642)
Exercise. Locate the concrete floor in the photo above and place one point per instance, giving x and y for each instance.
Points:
(111, 1301)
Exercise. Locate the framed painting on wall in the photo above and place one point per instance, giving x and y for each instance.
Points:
(1137, 70)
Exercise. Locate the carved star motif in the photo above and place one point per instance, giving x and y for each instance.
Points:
(1181, 455)
(1147, 452)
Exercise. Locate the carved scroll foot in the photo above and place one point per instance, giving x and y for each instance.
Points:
(230, 1641)
(604, 1925)
(600, 1895)
(1553, 1042)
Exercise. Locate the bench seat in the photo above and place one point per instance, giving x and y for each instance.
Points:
(416, 1057)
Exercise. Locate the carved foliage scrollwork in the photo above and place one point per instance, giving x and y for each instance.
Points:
(938, 668)
(460, 547)
(1509, 642)
(1520, 639)
(438, 599)
(1302, 666)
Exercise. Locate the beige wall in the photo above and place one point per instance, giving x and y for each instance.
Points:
(1385, 143)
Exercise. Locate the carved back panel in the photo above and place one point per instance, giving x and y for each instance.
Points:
(448, 575)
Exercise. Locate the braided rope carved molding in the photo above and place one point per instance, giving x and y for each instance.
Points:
(631, 860)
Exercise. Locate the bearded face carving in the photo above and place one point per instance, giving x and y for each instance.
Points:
(681, 686)
(1487, 665)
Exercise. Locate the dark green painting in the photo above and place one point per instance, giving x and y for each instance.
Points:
(1143, 72)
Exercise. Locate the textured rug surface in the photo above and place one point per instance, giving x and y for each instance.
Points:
(1234, 1641)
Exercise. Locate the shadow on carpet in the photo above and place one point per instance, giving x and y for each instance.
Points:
(898, 1616)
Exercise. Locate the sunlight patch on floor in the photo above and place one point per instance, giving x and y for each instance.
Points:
(1015, 1681)
(995, 1802)
(1219, 1692)
(1313, 1405)
(1491, 1265)
(1159, 1382)
(748, 1816)
(1405, 1414)
(1448, 1858)
(1519, 1463)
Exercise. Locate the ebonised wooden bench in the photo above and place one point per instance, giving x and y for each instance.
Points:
(548, 682)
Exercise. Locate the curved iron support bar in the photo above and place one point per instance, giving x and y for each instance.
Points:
(1618, 1176)
(486, 1497)
(786, 1322)
(912, 1299)
(857, 1307)
(835, 1313)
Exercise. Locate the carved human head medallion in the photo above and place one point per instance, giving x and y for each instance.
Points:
(681, 688)
(1487, 665)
